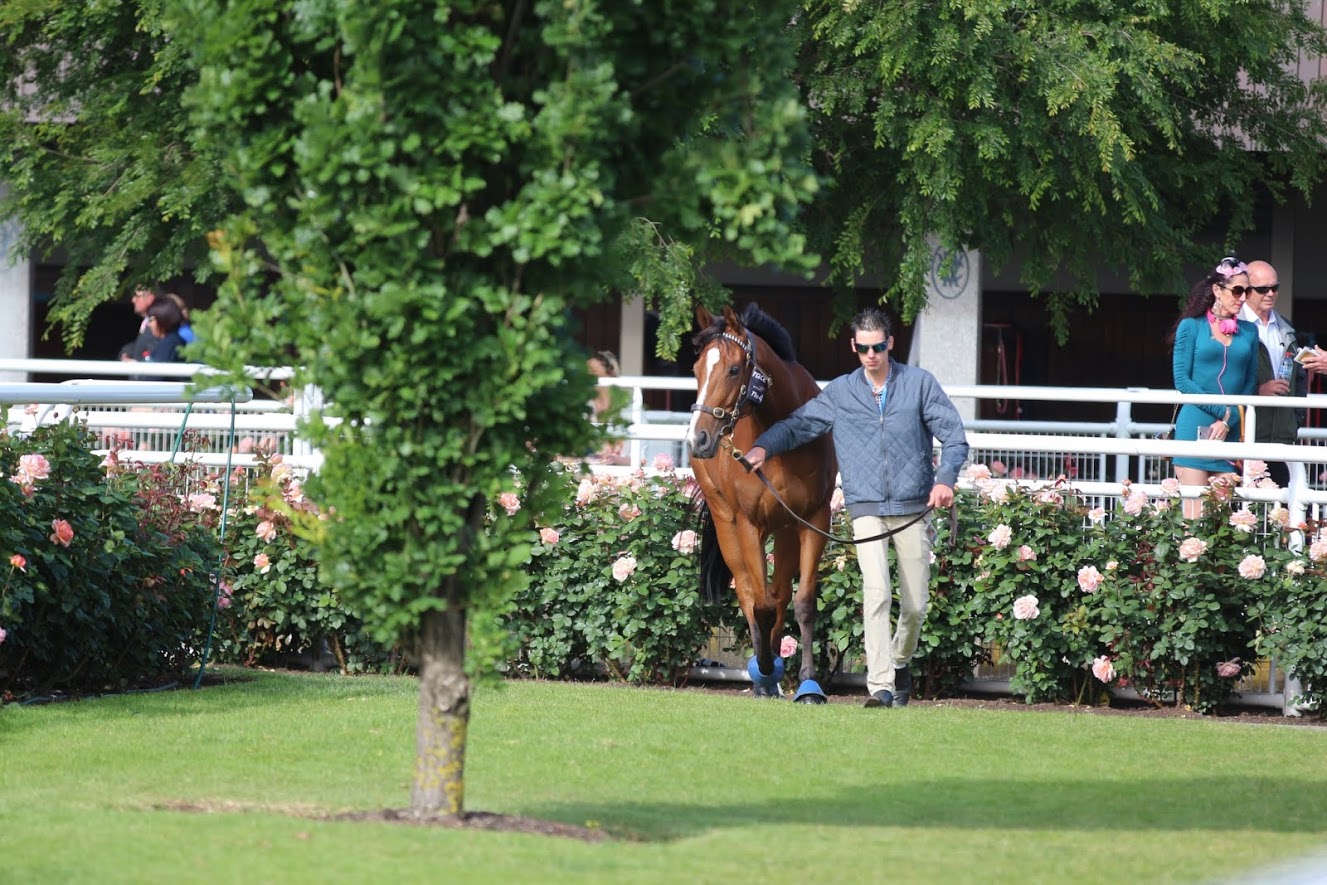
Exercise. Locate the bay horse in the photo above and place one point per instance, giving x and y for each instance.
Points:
(747, 379)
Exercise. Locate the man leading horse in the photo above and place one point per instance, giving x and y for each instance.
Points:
(884, 418)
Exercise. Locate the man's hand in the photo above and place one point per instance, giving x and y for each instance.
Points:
(1275, 387)
(755, 458)
(941, 496)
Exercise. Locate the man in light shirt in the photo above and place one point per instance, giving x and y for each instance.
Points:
(1278, 373)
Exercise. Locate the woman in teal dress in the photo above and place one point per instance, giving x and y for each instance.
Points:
(1214, 353)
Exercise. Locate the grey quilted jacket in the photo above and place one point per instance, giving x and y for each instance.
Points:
(886, 460)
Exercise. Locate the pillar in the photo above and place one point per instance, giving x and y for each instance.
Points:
(946, 338)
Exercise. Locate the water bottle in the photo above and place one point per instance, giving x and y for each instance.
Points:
(1287, 365)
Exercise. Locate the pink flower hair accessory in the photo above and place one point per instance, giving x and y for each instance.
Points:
(1231, 266)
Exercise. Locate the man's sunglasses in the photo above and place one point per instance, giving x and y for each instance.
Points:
(874, 348)
(1263, 290)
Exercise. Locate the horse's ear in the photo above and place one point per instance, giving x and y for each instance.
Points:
(704, 319)
(730, 316)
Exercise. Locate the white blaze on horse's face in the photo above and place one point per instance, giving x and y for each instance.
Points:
(703, 390)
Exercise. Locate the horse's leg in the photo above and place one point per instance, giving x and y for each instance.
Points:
(805, 606)
(786, 562)
(743, 549)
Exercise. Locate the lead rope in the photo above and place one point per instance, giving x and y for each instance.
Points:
(740, 458)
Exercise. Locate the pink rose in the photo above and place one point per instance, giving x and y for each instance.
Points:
(1026, 554)
(1255, 470)
(263, 563)
(684, 541)
(1097, 515)
(623, 567)
(1089, 578)
(1134, 504)
(836, 501)
(1170, 485)
(628, 511)
(1295, 567)
(1192, 548)
(998, 468)
(1318, 550)
(509, 502)
(1025, 608)
(280, 473)
(788, 647)
(1000, 536)
(18, 562)
(1228, 669)
(61, 532)
(663, 462)
(1244, 520)
(266, 531)
(34, 467)
(997, 492)
(1252, 567)
(200, 501)
(1050, 496)
(978, 472)
(549, 536)
(1103, 669)
(585, 492)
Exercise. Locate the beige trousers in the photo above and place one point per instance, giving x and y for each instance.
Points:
(889, 646)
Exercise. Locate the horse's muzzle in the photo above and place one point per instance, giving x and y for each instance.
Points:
(704, 445)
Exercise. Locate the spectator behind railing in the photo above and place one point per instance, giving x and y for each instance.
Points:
(163, 321)
(139, 348)
(1218, 354)
(604, 408)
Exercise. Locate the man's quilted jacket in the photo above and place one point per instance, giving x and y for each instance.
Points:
(886, 460)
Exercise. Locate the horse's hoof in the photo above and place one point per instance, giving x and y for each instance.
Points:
(809, 693)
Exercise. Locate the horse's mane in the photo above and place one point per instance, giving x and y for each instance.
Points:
(758, 322)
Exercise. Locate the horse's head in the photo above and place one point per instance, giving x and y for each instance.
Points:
(724, 368)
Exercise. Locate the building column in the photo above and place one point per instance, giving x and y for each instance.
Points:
(15, 301)
(631, 339)
(946, 338)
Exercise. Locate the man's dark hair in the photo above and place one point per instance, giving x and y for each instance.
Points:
(872, 319)
(168, 316)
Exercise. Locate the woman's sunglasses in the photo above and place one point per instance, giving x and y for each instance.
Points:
(1238, 291)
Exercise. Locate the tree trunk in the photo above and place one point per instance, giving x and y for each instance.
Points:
(444, 715)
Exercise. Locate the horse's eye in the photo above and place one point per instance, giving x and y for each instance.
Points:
(733, 370)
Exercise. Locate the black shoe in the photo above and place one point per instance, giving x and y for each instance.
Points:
(882, 698)
(902, 686)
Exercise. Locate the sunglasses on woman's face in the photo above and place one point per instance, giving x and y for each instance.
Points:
(1238, 291)
(874, 348)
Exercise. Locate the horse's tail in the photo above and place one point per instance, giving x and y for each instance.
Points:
(714, 572)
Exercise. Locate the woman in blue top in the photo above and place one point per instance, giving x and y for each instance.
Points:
(1214, 353)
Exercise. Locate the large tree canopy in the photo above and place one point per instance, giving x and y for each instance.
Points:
(1057, 133)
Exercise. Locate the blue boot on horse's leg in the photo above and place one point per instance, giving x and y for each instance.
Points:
(809, 693)
(763, 686)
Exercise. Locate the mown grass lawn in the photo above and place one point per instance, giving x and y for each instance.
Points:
(694, 786)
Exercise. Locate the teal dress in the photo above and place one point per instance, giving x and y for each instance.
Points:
(1202, 364)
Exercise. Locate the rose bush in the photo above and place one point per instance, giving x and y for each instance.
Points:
(110, 571)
